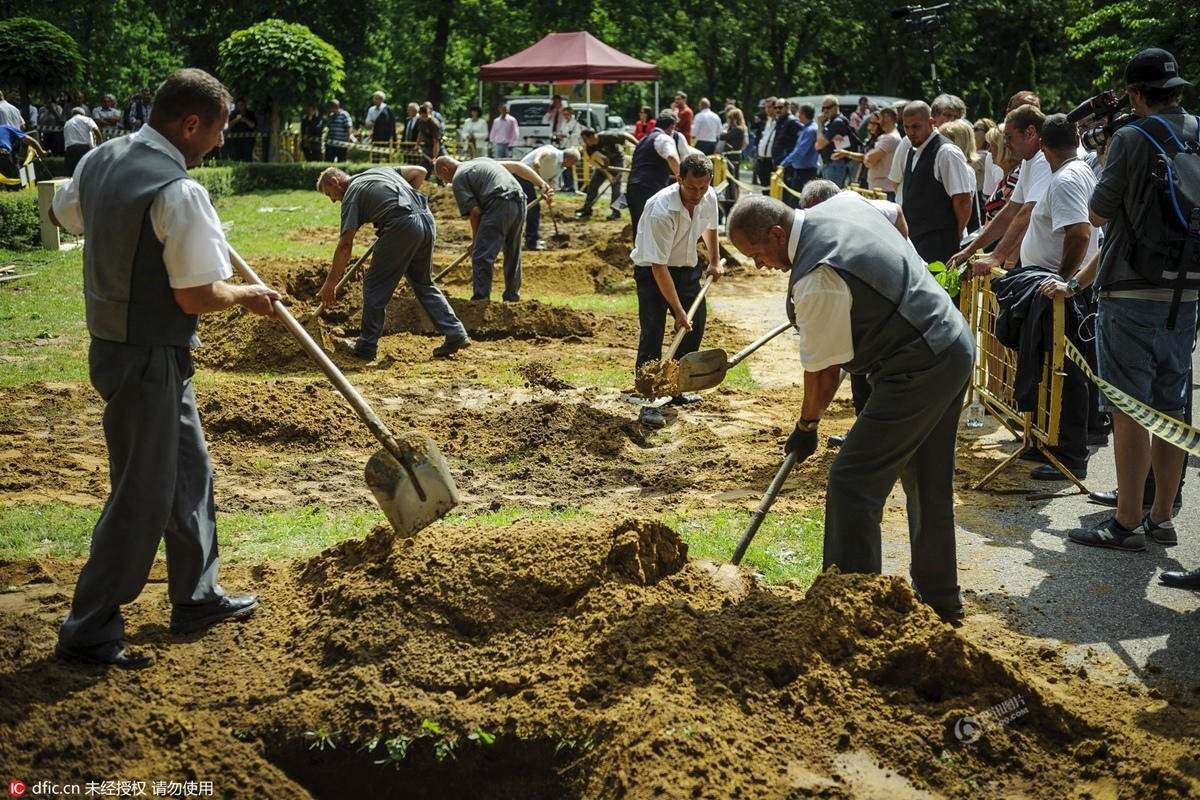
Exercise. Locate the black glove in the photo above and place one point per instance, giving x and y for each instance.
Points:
(802, 443)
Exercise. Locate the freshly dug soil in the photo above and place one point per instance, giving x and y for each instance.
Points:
(539, 373)
(580, 271)
(658, 379)
(527, 319)
(565, 659)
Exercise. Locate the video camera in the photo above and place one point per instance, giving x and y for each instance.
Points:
(1099, 118)
(921, 19)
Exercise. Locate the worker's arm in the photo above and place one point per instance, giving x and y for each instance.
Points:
(901, 222)
(341, 257)
(673, 164)
(629, 137)
(1055, 288)
(473, 216)
(414, 175)
(1076, 239)
(991, 232)
(219, 295)
(35, 144)
(662, 277)
(715, 268)
(962, 209)
(1009, 248)
(527, 173)
(819, 389)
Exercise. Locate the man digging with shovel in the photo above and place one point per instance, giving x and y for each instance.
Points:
(666, 267)
(156, 258)
(862, 300)
(388, 198)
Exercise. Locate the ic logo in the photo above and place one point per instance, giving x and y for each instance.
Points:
(16, 788)
(968, 730)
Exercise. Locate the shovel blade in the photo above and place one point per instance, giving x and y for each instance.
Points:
(702, 370)
(410, 506)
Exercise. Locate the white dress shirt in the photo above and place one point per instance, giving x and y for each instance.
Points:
(764, 141)
(194, 248)
(822, 301)
(11, 115)
(546, 161)
(78, 130)
(706, 126)
(667, 233)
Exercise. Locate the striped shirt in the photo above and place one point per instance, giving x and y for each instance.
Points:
(338, 125)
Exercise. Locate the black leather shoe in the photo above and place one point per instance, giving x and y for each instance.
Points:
(451, 346)
(189, 619)
(1049, 472)
(109, 654)
(1097, 438)
(836, 442)
(1110, 499)
(1182, 580)
(686, 399)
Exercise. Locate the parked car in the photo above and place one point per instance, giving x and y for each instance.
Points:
(529, 111)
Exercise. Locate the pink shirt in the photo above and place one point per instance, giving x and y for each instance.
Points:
(504, 130)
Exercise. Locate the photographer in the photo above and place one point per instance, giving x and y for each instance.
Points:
(1140, 352)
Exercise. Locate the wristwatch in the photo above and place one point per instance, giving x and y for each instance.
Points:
(808, 424)
(1073, 286)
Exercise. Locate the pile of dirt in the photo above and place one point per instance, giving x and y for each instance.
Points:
(585, 658)
(293, 414)
(568, 272)
(315, 234)
(539, 373)
(441, 201)
(240, 341)
(528, 319)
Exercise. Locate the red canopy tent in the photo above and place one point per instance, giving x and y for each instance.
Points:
(574, 56)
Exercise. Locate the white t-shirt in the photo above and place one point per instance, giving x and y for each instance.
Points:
(1064, 203)
(890, 210)
(546, 161)
(78, 130)
(822, 301)
(11, 115)
(706, 126)
(667, 233)
(878, 175)
(373, 113)
(1033, 180)
(194, 248)
(899, 159)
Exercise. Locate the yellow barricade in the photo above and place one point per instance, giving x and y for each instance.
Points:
(776, 188)
(994, 379)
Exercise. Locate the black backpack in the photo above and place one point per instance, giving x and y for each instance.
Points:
(1165, 226)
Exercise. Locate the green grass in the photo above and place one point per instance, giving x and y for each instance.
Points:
(257, 234)
(625, 303)
(62, 531)
(787, 546)
(43, 335)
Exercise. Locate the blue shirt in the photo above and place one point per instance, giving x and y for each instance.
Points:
(804, 154)
(338, 126)
(9, 137)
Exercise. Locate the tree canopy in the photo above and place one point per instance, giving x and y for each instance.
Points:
(34, 54)
(281, 61)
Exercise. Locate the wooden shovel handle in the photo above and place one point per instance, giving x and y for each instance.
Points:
(757, 343)
(679, 334)
(350, 273)
(347, 390)
(760, 513)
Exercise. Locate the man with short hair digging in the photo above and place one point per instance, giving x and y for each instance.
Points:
(666, 266)
(862, 300)
(387, 198)
(156, 258)
(490, 197)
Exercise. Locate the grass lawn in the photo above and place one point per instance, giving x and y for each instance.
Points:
(788, 546)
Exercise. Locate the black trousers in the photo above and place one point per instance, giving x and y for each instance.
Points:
(636, 196)
(708, 148)
(595, 183)
(796, 179)
(335, 154)
(653, 311)
(763, 167)
(936, 245)
(74, 154)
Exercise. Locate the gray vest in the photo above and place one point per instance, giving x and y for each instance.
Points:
(127, 295)
(900, 317)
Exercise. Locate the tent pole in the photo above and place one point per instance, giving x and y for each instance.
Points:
(656, 109)
(481, 111)
(587, 91)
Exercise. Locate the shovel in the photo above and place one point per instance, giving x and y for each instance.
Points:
(561, 238)
(760, 513)
(409, 476)
(315, 317)
(678, 340)
(707, 368)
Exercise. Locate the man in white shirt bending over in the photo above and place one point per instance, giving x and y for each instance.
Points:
(548, 162)
(706, 128)
(666, 267)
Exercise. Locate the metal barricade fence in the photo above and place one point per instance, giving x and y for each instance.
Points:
(995, 374)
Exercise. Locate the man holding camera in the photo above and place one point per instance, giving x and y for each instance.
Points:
(1145, 332)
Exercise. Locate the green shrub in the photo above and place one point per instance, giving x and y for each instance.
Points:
(249, 177)
(19, 228)
(218, 180)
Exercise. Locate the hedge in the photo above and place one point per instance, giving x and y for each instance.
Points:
(19, 210)
(19, 228)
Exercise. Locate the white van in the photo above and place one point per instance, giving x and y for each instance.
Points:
(529, 111)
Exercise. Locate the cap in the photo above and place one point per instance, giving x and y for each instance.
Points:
(1154, 67)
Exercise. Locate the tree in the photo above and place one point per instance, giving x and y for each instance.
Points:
(282, 63)
(36, 54)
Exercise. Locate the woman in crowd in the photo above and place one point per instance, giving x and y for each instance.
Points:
(981, 128)
(1001, 178)
(733, 141)
(960, 133)
(473, 134)
(644, 124)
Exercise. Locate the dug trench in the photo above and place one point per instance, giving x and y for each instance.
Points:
(583, 659)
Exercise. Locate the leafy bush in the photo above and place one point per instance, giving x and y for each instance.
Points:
(19, 221)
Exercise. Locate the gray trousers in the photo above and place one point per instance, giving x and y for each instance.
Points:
(907, 429)
(404, 249)
(161, 487)
(500, 228)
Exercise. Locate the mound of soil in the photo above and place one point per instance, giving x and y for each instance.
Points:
(562, 659)
(241, 341)
(307, 416)
(658, 379)
(441, 201)
(527, 319)
(567, 272)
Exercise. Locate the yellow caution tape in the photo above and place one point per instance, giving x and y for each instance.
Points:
(1170, 430)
